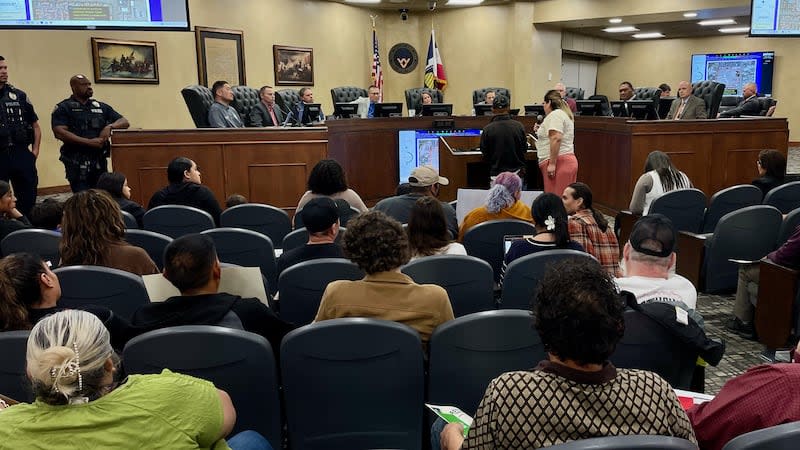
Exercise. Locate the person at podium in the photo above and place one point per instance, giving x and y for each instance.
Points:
(221, 114)
(503, 143)
(266, 113)
(687, 106)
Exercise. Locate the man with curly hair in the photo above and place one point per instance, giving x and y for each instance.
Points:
(379, 246)
(586, 396)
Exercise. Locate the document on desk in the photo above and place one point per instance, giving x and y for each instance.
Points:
(689, 398)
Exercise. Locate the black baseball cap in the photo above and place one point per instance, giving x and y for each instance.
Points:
(500, 102)
(319, 214)
(654, 235)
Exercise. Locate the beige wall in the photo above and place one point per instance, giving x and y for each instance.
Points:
(494, 45)
(560, 10)
(650, 63)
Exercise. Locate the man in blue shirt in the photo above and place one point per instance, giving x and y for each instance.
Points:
(221, 114)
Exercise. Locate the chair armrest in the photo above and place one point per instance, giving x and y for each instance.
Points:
(623, 224)
(690, 256)
(777, 290)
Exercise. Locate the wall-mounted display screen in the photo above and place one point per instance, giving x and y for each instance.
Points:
(735, 70)
(421, 147)
(775, 18)
(95, 14)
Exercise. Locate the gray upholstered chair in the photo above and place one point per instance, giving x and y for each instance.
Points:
(711, 93)
(344, 94)
(478, 95)
(414, 97)
(575, 92)
(198, 99)
(244, 98)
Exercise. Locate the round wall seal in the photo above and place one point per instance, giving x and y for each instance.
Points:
(403, 58)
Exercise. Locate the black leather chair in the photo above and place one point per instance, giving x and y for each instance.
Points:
(198, 99)
(344, 94)
(711, 93)
(244, 98)
(648, 93)
(287, 99)
(729, 102)
(414, 97)
(478, 95)
(766, 103)
(574, 92)
(604, 103)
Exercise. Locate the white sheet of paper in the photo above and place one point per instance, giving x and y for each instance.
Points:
(245, 282)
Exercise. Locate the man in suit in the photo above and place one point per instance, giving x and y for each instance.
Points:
(307, 98)
(626, 91)
(687, 106)
(748, 107)
(266, 113)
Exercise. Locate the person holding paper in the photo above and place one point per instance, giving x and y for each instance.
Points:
(192, 266)
(586, 395)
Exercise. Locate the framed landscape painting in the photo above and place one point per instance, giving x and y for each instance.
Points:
(117, 61)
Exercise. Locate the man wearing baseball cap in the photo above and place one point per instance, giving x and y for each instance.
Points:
(646, 262)
(503, 141)
(321, 219)
(424, 180)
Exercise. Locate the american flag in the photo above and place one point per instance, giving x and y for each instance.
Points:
(377, 72)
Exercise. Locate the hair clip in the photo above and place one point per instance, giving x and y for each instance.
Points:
(550, 223)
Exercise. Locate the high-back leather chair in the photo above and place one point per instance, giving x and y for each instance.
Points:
(605, 105)
(478, 95)
(344, 94)
(575, 92)
(244, 98)
(414, 97)
(287, 98)
(648, 93)
(711, 93)
(729, 102)
(766, 103)
(198, 99)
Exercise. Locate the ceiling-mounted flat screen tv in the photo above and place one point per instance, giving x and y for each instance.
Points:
(95, 14)
(774, 18)
(735, 70)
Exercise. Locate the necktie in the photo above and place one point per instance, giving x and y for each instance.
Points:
(272, 114)
(680, 109)
(371, 112)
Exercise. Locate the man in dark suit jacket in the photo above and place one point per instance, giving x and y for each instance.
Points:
(687, 106)
(748, 107)
(266, 113)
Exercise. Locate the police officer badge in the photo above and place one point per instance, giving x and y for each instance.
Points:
(12, 96)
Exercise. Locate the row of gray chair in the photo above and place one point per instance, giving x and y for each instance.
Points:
(352, 366)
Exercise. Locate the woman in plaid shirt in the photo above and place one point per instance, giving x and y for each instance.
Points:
(590, 228)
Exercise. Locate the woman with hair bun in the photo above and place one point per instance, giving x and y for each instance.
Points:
(502, 202)
(10, 218)
(79, 404)
(552, 230)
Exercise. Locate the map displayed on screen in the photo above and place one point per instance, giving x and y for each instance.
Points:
(775, 18)
(735, 70)
(421, 147)
(90, 14)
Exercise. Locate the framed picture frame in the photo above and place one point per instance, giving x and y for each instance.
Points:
(294, 66)
(117, 61)
(220, 56)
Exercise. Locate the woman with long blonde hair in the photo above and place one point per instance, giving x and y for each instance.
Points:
(93, 233)
(555, 145)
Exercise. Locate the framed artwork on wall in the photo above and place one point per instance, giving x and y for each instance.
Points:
(294, 66)
(220, 56)
(117, 61)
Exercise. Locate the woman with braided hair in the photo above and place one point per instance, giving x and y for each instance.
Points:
(80, 404)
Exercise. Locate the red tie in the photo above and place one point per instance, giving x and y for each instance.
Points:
(272, 114)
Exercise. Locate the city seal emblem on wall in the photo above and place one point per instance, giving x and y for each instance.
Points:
(403, 58)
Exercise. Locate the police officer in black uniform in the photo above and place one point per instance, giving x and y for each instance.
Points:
(19, 128)
(84, 125)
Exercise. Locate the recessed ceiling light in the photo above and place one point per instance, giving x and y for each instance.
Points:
(690, 14)
(734, 30)
(627, 29)
(464, 2)
(615, 20)
(648, 35)
(707, 23)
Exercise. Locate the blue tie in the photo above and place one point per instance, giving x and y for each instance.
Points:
(371, 112)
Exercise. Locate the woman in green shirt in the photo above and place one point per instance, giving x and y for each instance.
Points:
(78, 404)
